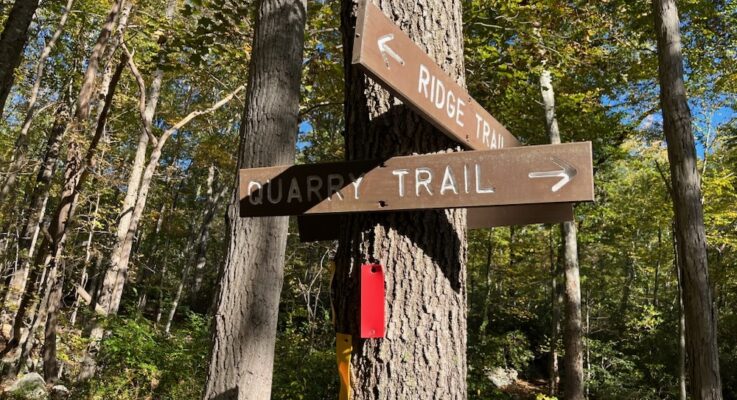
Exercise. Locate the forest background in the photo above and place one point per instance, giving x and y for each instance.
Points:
(171, 101)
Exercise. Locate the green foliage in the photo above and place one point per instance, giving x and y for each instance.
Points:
(138, 361)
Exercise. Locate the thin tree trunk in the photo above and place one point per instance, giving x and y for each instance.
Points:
(423, 254)
(113, 283)
(21, 144)
(556, 301)
(199, 249)
(211, 207)
(123, 239)
(37, 209)
(12, 42)
(488, 282)
(143, 297)
(656, 284)
(701, 324)
(244, 329)
(573, 336)
(77, 171)
(93, 63)
(83, 277)
(682, 394)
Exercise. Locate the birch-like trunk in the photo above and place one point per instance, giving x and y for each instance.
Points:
(556, 302)
(573, 329)
(119, 255)
(423, 253)
(700, 314)
(12, 42)
(19, 157)
(247, 305)
(36, 210)
(76, 173)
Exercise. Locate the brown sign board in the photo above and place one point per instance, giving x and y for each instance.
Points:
(523, 175)
(390, 57)
(315, 228)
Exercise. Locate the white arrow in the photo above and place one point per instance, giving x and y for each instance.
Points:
(566, 174)
(386, 50)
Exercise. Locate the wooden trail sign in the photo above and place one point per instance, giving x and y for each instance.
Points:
(389, 56)
(524, 175)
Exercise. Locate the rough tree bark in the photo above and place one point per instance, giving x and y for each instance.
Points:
(423, 253)
(20, 151)
(244, 327)
(12, 42)
(573, 329)
(701, 324)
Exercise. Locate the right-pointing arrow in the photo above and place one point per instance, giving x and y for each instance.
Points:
(566, 173)
(388, 51)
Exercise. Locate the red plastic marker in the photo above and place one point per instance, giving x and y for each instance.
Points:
(372, 301)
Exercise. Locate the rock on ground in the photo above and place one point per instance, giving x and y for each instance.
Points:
(28, 387)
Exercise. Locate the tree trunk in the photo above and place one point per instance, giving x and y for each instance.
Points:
(556, 301)
(36, 209)
(572, 334)
(93, 63)
(199, 248)
(145, 274)
(701, 325)
(75, 175)
(682, 394)
(423, 254)
(18, 159)
(12, 42)
(123, 244)
(244, 329)
(84, 275)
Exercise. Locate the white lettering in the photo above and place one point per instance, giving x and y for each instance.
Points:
(451, 108)
(493, 139)
(426, 181)
(269, 194)
(459, 112)
(335, 183)
(255, 197)
(478, 126)
(294, 192)
(465, 177)
(487, 132)
(356, 185)
(400, 173)
(480, 190)
(424, 80)
(314, 184)
(439, 94)
(449, 181)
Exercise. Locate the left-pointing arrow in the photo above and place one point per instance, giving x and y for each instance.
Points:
(388, 51)
(566, 173)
